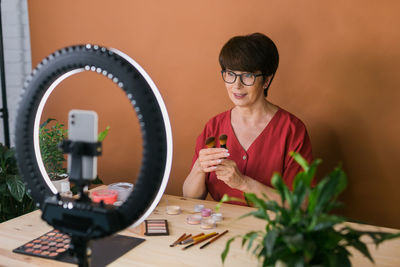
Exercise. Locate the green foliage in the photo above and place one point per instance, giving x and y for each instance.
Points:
(14, 200)
(49, 138)
(299, 230)
(103, 134)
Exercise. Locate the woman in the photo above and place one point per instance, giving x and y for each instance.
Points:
(260, 134)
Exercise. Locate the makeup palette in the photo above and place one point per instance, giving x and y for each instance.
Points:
(55, 245)
(50, 245)
(156, 227)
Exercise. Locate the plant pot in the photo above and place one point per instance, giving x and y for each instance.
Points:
(57, 183)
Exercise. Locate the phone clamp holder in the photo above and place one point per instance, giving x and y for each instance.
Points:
(78, 149)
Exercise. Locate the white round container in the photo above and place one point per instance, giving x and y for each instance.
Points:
(124, 190)
(217, 216)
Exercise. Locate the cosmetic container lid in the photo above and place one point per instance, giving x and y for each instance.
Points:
(206, 212)
(198, 208)
(217, 217)
(194, 219)
(124, 190)
(173, 210)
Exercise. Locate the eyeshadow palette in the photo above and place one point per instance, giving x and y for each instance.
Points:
(50, 245)
(55, 245)
(156, 227)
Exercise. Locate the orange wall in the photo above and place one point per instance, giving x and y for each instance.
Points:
(338, 73)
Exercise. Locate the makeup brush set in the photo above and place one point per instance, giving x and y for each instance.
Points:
(210, 141)
(190, 241)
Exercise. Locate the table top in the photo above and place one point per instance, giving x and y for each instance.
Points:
(155, 251)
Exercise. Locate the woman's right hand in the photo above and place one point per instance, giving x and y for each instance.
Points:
(209, 158)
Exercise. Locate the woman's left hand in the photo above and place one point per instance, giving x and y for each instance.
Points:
(228, 172)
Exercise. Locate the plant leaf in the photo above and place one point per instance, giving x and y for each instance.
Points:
(44, 124)
(16, 187)
(326, 221)
(97, 180)
(300, 160)
(311, 172)
(301, 176)
(299, 195)
(257, 202)
(269, 241)
(251, 236)
(284, 192)
(103, 134)
(260, 214)
(295, 242)
(360, 246)
(328, 189)
(226, 250)
(226, 198)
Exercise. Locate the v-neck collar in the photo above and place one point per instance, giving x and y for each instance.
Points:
(263, 132)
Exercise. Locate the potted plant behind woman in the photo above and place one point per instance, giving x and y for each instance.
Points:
(53, 158)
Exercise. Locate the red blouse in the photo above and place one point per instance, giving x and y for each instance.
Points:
(268, 153)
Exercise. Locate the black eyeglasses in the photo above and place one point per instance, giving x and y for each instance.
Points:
(246, 78)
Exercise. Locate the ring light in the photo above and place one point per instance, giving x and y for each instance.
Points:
(150, 110)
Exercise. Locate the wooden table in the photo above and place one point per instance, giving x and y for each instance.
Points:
(155, 251)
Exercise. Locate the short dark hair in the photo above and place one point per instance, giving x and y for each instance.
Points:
(253, 52)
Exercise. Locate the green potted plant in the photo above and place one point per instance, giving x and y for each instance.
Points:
(300, 230)
(51, 134)
(14, 199)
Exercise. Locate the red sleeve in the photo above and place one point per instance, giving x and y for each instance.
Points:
(297, 141)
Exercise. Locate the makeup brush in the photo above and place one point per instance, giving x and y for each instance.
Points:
(200, 239)
(210, 142)
(182, 237)
(212, 240)
(190, 238)
(222, 140)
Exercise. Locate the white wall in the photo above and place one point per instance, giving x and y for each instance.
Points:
(17, 55)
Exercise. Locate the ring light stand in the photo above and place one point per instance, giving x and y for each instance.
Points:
(81, 218)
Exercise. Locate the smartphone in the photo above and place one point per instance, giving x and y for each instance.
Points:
(82, 126)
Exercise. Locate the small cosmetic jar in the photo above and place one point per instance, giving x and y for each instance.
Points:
(198, 208)
(208, 223)
(194, 219)
(206, 212)
(124, 190)
(217, 217)
(108, 196)
(173, 210)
